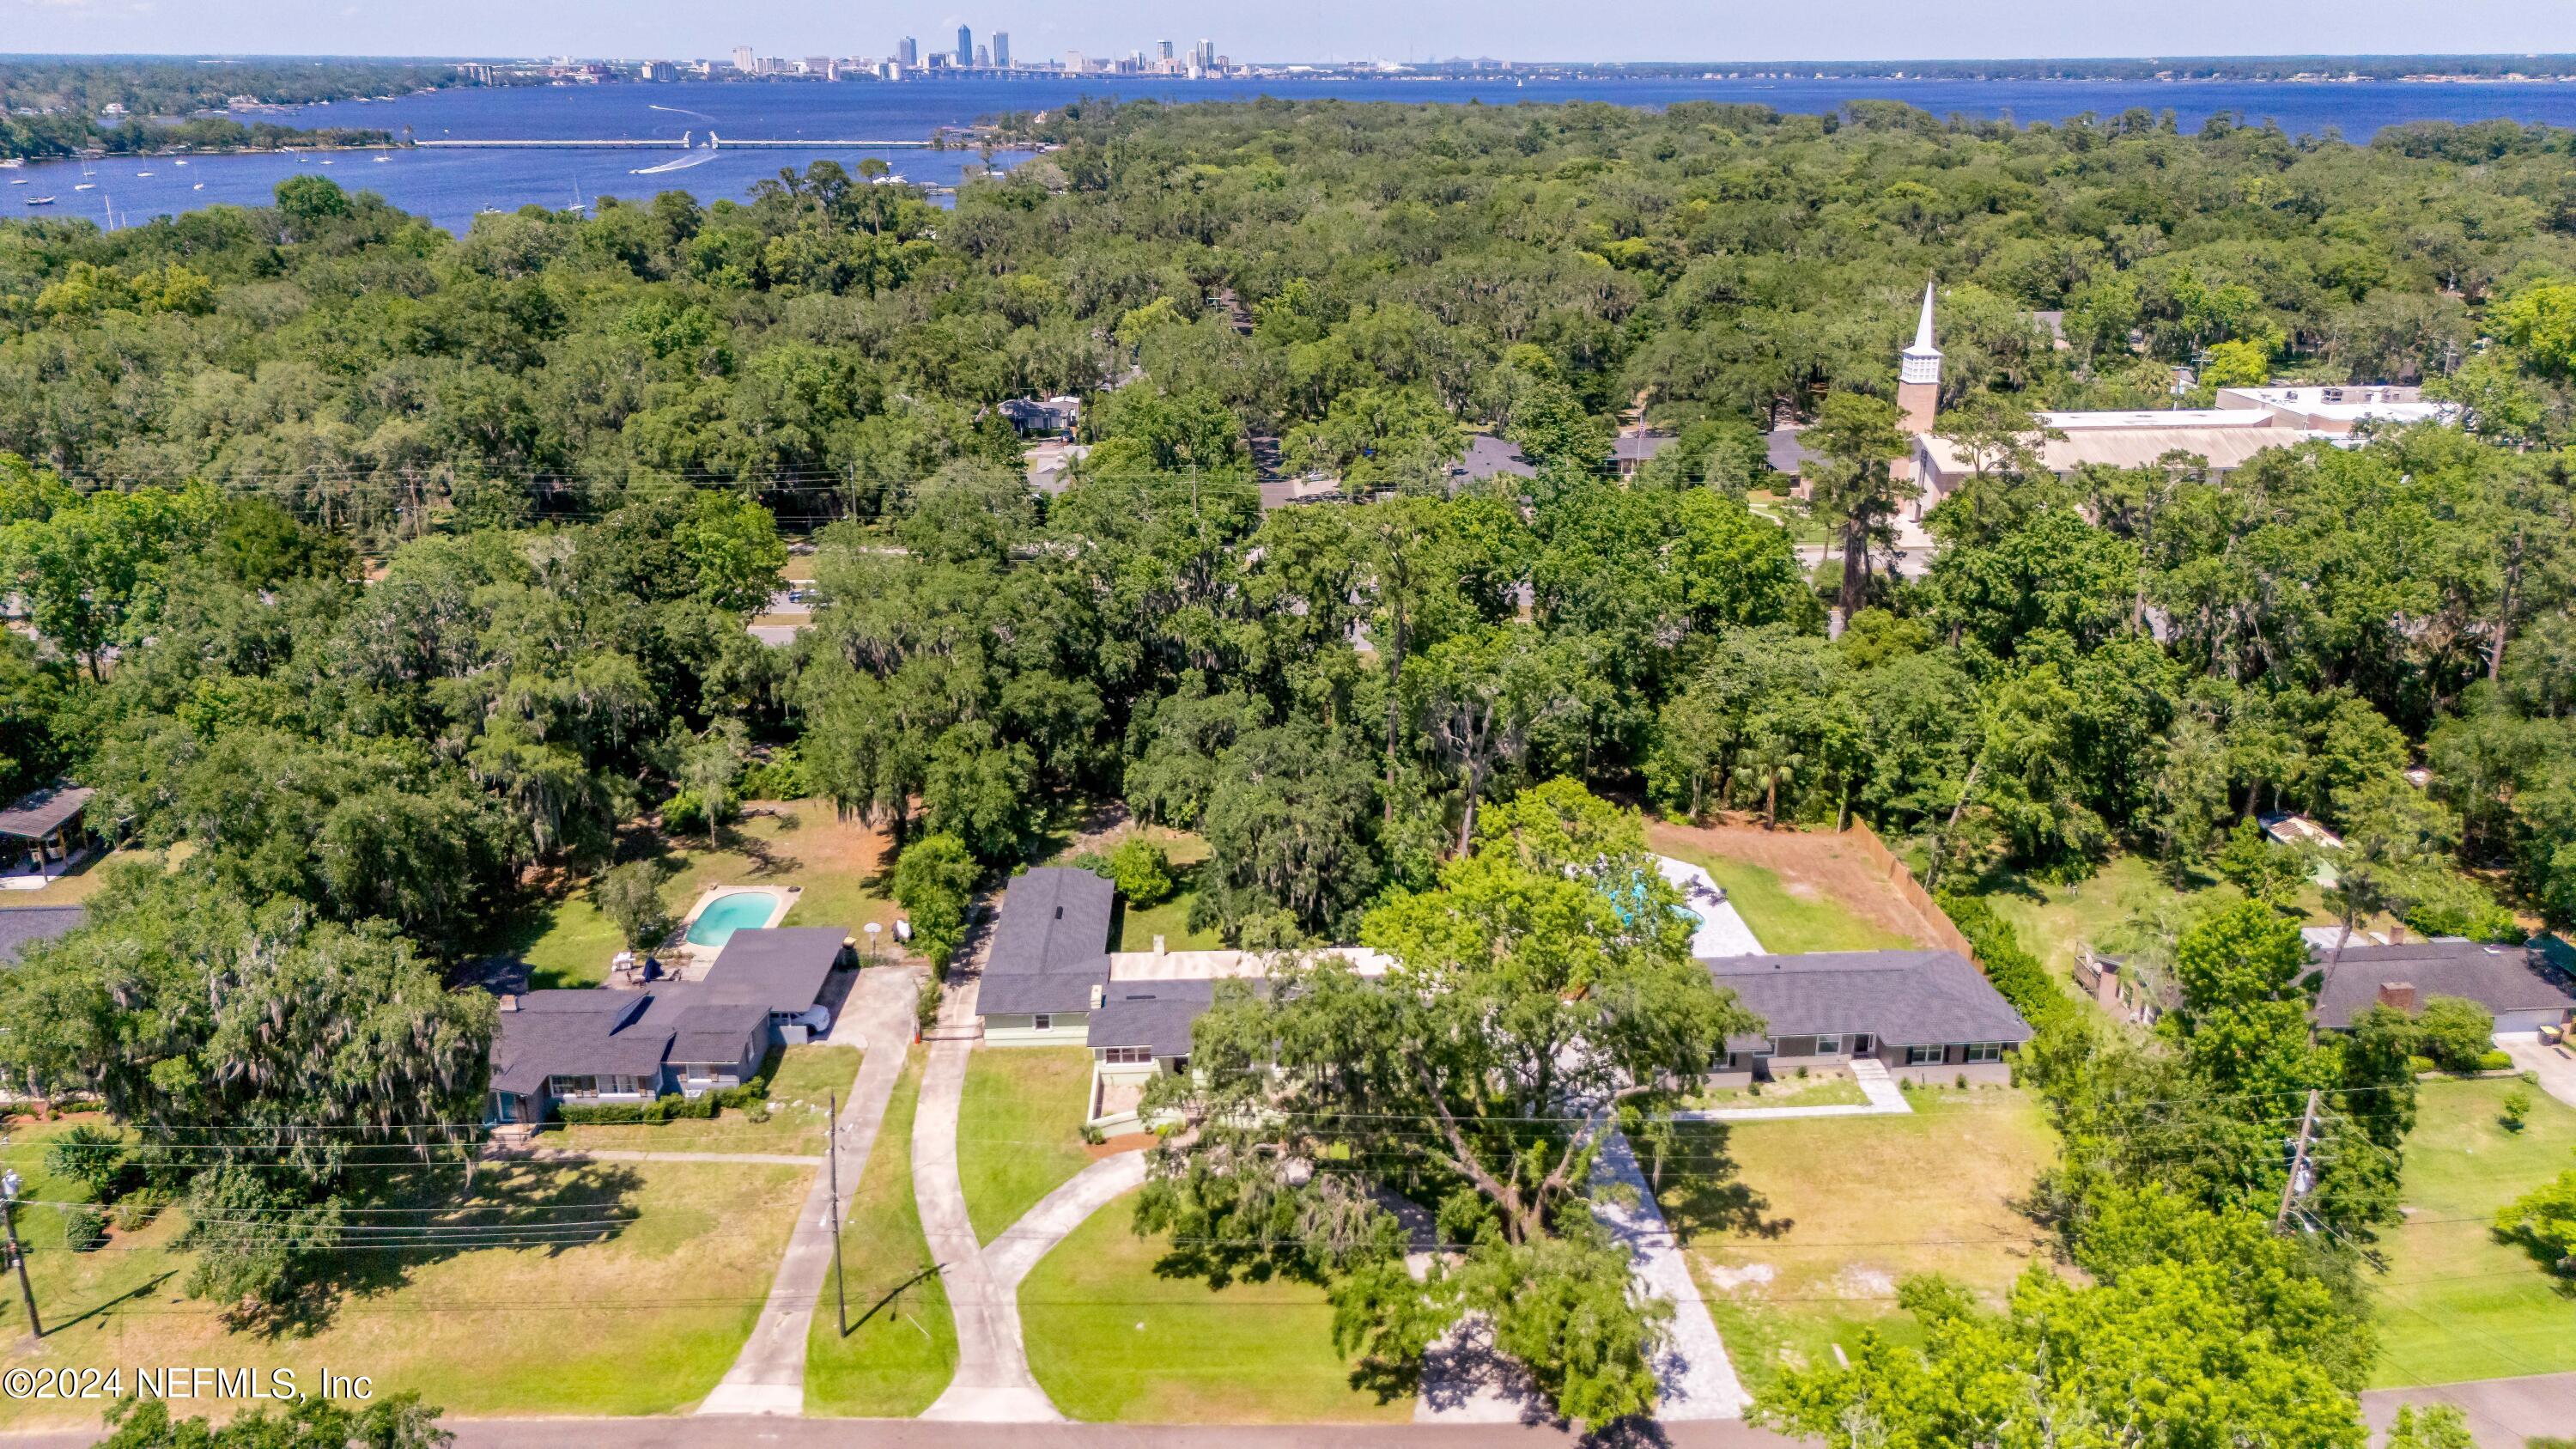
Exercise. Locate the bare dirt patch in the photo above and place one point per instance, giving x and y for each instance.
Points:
(1810, 863)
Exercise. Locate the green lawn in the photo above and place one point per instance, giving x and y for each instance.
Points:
(566, 941)
(2057, 921)
(1019, 1130)
(1802, 1245)
(1111, 1340)
(1783, 920)
(902, 1346)
(798, 1125)
(1169, 920)
(2456, 1302)
(642, 1318)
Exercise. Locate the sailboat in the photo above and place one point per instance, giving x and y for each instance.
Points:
(86, 186)
(578, 205)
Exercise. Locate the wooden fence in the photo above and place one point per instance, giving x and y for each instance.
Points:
(1900, 877)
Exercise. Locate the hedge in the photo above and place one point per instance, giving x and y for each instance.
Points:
(2015, 973)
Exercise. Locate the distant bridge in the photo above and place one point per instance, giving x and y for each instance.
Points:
(450, 144)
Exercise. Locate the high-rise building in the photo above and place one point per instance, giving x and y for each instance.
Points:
(983, 57)
(1002, 49)
(907, 52)
(965, 46)
(1165, 48)
(742, 60)
(1207, 54)
(1073, 62)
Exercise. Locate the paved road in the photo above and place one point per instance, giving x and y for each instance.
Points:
(768, 1377)
(918, 1434)
(992, 1383)
(2502, 1412)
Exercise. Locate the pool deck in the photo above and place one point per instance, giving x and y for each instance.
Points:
(1721, 931)
(690, 960)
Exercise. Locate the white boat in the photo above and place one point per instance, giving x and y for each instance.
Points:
(179, 163)
(200, 186)
(86, 186)
(21, 181)
(381, 160)
(40, 201)
(139, 175)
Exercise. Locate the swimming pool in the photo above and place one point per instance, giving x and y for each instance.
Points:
(726, 914)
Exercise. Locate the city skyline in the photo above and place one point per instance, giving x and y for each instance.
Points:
(1322, 30)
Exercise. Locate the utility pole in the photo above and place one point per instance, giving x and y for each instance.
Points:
(832, 1165)
(9, 1184)
(2299, 1170)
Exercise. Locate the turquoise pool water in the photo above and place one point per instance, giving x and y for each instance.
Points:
(727, 914)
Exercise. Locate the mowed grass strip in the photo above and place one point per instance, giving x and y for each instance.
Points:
(1019, 1130)
(1803, 1244)
(2457, 1302)
(1113, 1341)
(800, 1098)
(902, 1347)
(1785, 920)
(642, 1316)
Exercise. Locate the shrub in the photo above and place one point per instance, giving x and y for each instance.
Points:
(2495, 1061)
(2517, 1109)
(2016, 974)
(779, 777)
(2455, 1032)
(925, 1005)
(935, 882)
(1092, 1135)
(2467, 911)
(758, 1111)
(136, 1210)
(84, 1229)
(1141, 870)
(91, 1156)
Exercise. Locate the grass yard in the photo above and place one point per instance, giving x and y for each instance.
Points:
(1169, 920)
(902, 1346)
(566, 941)
(1803, 1245)
(1825, 1089)
(2057, 921)
(642, 1319)
(2456, 1302)
(1111, 1340)
(798, 1125)
(1019, 1130)
(1787, 918)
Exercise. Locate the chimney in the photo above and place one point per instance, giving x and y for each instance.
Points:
(1099, 994)
(2106, 981)
(2399, 994)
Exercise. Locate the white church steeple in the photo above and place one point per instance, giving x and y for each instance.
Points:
(1918, 374)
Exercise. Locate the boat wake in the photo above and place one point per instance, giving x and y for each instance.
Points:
(694, 158)
(679, 111)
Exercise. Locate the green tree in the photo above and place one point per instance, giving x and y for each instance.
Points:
(733, 549)
(630, 895)
(934, 882)
(1142, 871)
(1855, 491)
(398, 1421)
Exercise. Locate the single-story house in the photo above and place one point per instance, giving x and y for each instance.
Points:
(1634, 448)
(1928, 1015)
(1048, 967)
(2522, 985)
(42, 832)
(783, 970)
(1031, 415)
(1143, 1027)
(593, 1046)
(25, 926)
(1486, 457)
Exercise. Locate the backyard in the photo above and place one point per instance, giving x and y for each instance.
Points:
(639, 1310)
(2457, 1302)
(567, 941)
(1019, 1130)
(2055, 922)
(1803, 1244)
(799, 1103)
(1112, 1340)
(902, 1345)
(1798, 890)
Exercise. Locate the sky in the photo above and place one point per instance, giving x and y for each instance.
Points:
(1717, 30)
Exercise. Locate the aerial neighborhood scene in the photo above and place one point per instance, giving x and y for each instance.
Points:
(1406, 727)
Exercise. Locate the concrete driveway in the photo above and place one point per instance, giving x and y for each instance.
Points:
(2552, 1065)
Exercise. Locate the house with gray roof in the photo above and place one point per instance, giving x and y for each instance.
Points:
(1047, 969)
(25, 926)
(782, 969)
(1925, 1014)
(2525, 986)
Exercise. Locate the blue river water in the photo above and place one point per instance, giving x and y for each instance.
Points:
(449, 187)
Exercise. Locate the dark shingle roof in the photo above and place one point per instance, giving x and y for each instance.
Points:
(1640, 447)
(782, 968)
(2500, 978)
(1904, 998)
(24, 926)
(588, 1032)
(40, 812)
(1051, 944)
(1156, 1014)
(1487, 456)
(712, 1031)
(1786, 451)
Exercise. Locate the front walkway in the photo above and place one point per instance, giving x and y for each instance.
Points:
(1886, 1099)
(768, 1376)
